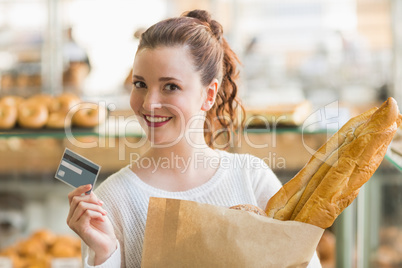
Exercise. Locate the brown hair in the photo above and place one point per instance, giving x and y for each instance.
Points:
(213, 57)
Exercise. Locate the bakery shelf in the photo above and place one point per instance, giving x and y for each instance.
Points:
(394, 158)
(134, 130)
(109, 129)
(48, 133)
(394, 152)
(289, 129)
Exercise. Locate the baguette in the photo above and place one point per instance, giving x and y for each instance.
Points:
(283, 203)
(332, 178)
(249, 208)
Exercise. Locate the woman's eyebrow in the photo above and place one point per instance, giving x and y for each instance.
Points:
(168, 79)
(138, 77)
(162, 79)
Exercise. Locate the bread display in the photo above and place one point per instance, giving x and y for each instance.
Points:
(290, 114)
(396, 146)
(41, 248)
(45, 111)
(332, 178)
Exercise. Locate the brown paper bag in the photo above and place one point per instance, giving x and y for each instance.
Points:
(182, 233)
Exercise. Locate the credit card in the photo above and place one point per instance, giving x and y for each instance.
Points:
(75, 170)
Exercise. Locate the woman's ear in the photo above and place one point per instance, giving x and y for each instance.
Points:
(212, 90)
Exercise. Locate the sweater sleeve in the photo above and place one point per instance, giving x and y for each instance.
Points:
(265, 183)
(117, 258)
(88, 258)
(315, 262)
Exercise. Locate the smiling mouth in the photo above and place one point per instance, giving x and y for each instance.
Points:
(157, 119)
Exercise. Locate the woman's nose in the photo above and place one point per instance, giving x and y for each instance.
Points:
(151, 101)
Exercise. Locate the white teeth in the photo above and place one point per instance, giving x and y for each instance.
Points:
(156, 119)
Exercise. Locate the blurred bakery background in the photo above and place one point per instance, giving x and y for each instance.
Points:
(307, 67)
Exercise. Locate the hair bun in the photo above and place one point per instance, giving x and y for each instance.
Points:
(205, 17)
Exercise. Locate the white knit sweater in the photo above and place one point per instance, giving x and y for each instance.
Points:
(240, 179)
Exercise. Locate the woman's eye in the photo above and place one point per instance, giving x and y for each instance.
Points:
(171, 87)
(139, 84)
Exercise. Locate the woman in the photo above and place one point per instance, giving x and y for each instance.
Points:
(184, 96)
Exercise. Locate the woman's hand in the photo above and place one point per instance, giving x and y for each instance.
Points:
(88, 219)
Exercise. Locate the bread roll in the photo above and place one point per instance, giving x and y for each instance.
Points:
(64, 102)
(332, 178)
(43, 98)
(89, 115)
(32, 114)
(45, 236)
(8, 115)
(58, 120)
(59, 107)
(11, 100)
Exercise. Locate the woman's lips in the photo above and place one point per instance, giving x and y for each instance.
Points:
(156, 121)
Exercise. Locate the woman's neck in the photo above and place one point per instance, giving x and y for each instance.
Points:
(182, 151)
(177, 168)
(182, 157)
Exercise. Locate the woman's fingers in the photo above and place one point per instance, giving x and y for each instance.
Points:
(82, 208)
(82, 223)
(79, 191)
(91, 198)
(75, 200)
(88, 219)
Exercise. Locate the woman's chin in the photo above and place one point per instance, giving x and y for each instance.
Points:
(161, 141)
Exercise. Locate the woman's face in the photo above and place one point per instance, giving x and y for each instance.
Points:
(167, 94)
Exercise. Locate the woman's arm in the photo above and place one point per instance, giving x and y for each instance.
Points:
(264, 182)
(114, 260)
(89, 220)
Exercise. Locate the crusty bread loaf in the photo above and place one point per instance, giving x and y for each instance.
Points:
(332, 178)
(282, 204)
(249, 208)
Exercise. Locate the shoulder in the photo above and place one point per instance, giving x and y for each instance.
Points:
(246, 162)
(247, 166)
(250, 166)
(253, 170)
